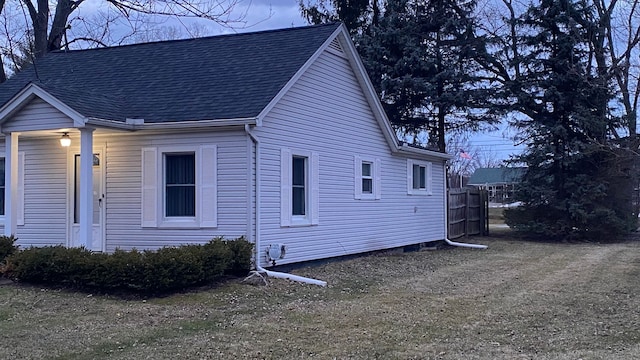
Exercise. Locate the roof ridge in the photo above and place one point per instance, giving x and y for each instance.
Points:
(219, 36)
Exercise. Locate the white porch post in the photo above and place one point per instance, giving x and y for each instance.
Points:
(85, 236)
(11, 184)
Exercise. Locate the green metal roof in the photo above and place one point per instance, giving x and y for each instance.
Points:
(501, 175)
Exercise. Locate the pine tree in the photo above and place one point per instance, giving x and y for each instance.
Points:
(422, 59)
(568, 190)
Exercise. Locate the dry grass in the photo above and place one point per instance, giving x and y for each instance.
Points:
(516, 300)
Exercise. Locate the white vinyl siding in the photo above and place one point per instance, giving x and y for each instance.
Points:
(299, 193)
(367, 186)
(37, 115)
(158, 204)
(327, 113)
(42, 191)
(124, 193)
(419, 177)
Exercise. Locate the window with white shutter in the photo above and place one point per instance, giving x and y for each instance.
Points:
(179, 187)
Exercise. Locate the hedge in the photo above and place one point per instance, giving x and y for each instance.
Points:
(149, 272)
(7, 247)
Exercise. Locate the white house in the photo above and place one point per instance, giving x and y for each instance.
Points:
(276, 135)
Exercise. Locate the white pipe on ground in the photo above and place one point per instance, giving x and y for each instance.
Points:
(259, 268)
(473, 246)
(297, 278)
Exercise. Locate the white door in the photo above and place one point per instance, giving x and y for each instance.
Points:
(97, 243)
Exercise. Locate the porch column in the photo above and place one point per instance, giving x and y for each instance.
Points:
(85, 236)
(11, 184)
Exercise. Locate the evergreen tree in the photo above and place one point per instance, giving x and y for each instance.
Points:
(357, 15)
(422, 59)
(569, 188)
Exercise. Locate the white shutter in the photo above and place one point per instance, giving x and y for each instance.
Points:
(285, 187)
(150, 179)
(314, 192)
(409, 177)
(208, 198)
(377, 186)
(20, 199)
(429, 177)
(357, 177)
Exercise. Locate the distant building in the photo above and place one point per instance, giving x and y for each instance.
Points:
(499, 182)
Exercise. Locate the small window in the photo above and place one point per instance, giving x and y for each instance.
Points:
(419, 178)
(298, 186)
(299, 205)
(180, 185)
(367, 178)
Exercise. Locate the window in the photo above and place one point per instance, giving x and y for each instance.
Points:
(419, 177)
(299, 188)
(367, 178)
(179, 187)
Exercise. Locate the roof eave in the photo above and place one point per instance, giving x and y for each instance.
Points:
(169, 125)
(413, 151)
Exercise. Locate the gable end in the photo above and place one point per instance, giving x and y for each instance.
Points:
(335, 48)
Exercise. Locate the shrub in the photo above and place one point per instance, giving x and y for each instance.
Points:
(149, 272)
(7, 246)
(50, 265)
(242, 254)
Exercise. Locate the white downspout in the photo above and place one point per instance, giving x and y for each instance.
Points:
(446, 222)
(260, 269)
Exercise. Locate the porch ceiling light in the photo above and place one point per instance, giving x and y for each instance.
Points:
(65, 140)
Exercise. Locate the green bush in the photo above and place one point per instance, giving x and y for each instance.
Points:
(242, 254)
(7, 246)
(149, 272)
(50, 265)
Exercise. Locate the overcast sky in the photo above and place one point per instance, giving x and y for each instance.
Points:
(270, 14)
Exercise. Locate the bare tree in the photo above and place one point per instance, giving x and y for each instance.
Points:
(32, 28)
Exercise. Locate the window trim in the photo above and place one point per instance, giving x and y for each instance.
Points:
(165, 186)
(153, 197)
(20, 190)
(428, 189)
(311, 217)
(375, 177)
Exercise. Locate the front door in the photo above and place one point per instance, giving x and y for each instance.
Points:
(97, 243)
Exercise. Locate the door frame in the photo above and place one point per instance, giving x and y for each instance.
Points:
(71, 154)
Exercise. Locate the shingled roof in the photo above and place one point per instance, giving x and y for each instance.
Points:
(220, 77)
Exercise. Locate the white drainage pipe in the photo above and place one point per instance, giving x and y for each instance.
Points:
(292, 277)
(473, 246)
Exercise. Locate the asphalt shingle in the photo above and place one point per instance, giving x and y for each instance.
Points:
(219, 77)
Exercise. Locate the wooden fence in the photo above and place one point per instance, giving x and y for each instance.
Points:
(468, 212)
